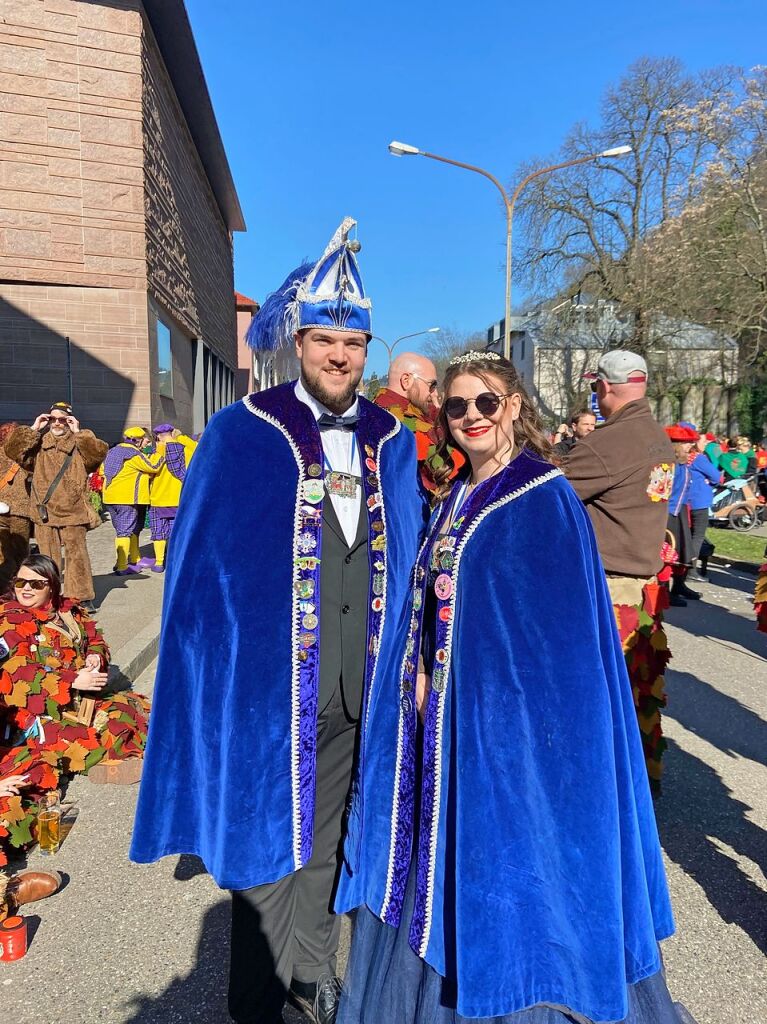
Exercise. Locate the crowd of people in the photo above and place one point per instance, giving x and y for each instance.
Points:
(392, 682)
(413, 666)
(58, 716)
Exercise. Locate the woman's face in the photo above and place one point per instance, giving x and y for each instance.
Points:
(482, 433)
(26, 594)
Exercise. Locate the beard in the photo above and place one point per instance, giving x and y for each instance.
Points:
(337, 401)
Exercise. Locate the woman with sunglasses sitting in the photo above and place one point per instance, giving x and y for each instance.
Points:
(53, 660)
(501, 846)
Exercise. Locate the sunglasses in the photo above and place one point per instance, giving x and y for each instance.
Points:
(430, 384)
(487, 403)
(20, 583)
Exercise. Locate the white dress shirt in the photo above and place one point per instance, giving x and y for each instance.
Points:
(341, 455)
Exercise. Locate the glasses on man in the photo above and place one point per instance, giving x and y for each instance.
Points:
(430, 384)
(486, 404)
(57, 419)
(19, 583)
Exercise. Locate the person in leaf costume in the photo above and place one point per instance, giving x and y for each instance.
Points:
(52, 654)
(760, 597)
(411, 396)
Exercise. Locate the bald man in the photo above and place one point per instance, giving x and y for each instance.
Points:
(411, 395)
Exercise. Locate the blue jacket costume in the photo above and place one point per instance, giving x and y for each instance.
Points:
(538, 871)
(704, 476)
(230, 761)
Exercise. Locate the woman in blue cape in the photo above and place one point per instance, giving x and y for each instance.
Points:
(504, 857)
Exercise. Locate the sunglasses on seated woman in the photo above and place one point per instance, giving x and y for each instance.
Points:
(19, 583)
(487, 403)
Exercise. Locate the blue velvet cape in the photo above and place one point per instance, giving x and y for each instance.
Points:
(539, 875)
(229, 772)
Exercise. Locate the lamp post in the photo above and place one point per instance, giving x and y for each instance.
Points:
(403, 149)
(416, 334)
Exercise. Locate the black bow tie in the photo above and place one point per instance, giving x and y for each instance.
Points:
(328, 421)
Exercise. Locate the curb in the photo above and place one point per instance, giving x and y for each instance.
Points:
(749, 567)
(132, 658)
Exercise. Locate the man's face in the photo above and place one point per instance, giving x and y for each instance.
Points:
(585, 425)
(421, 390)
(332, 364)
(58, 423)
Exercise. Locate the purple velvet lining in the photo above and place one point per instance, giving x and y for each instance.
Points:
(281, 404)
(403, 823)
(374, 424)
(524, 469)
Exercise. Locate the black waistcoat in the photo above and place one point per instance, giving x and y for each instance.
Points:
(344, 582)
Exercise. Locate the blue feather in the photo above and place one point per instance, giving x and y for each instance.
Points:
(276, 322)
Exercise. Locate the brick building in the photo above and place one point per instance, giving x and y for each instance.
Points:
(117, 209)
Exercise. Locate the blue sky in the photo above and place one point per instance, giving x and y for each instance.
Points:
(309, 95)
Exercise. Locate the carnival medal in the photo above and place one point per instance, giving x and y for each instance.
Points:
(342, 485)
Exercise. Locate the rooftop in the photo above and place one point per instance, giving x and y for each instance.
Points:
(243, 302)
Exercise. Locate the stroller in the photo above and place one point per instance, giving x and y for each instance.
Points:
(737, 503)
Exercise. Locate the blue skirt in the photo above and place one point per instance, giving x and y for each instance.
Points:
(387, 982)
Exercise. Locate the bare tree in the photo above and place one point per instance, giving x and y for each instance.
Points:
(450, 342)
(710, 262)
(585, 226)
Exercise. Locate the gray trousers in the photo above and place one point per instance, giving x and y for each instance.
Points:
(286, 929)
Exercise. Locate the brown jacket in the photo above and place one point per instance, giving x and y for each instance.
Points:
(42, 455)
(14, 492)
(622, 472)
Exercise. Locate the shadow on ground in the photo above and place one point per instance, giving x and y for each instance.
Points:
(696, 813)
(720, 625)
(716, 717)
(200, 996)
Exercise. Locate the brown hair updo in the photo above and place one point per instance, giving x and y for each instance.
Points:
(528, 430)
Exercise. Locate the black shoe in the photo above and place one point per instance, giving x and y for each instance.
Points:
(691, 595)
(677, 602)
(327, 999)
(301, 995)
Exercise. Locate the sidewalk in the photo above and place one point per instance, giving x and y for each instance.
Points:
(127, 607)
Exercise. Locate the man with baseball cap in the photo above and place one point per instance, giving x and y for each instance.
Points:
(623, 473)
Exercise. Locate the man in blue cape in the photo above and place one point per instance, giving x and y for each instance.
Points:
(288, 574)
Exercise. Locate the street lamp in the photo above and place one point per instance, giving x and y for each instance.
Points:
(416, 334)
(403, 149)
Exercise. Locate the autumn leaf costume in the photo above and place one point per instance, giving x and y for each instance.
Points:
(46, 650)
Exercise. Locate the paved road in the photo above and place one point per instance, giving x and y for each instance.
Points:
(129, 944)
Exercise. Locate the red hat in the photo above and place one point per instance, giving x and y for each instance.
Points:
(678, 432)
(711, 437)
